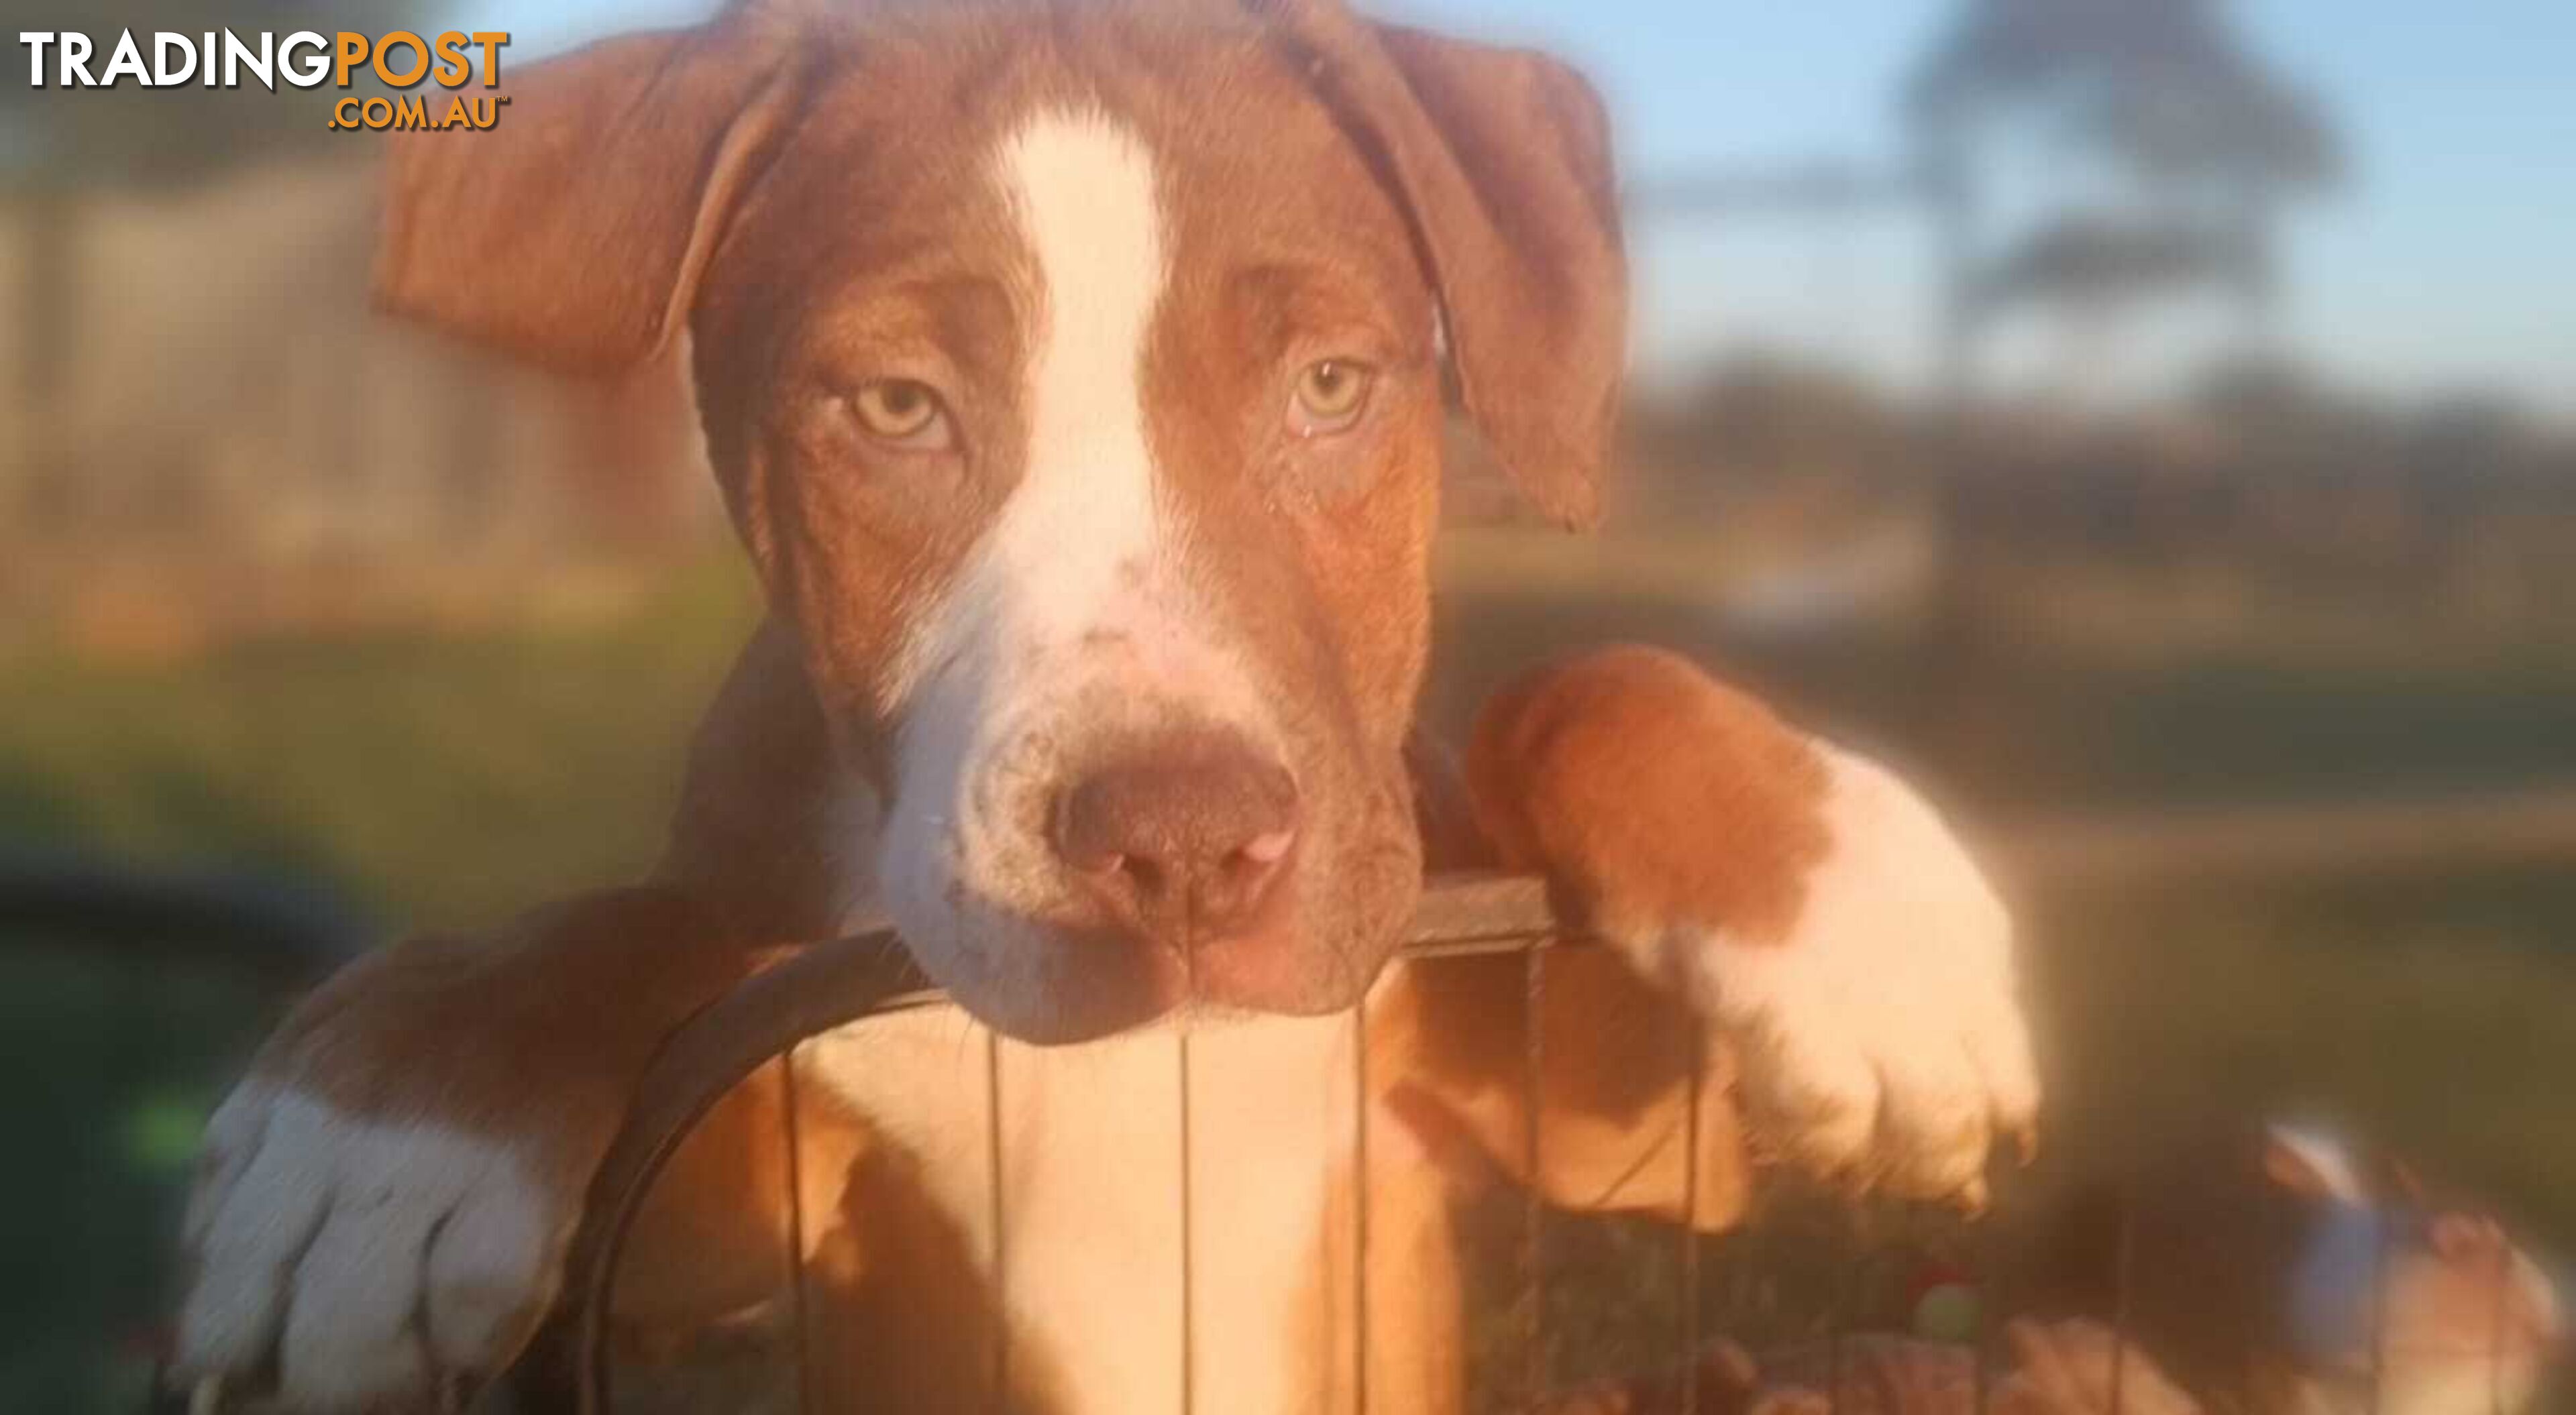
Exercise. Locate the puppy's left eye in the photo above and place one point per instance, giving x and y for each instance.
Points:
(903, 412)
(1331, 394)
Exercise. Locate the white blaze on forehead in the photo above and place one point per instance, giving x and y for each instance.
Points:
(1084, 522)
(1074, 617)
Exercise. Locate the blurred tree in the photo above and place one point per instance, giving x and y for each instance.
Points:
(2153, 150)
(54, 146)
(2157, 101)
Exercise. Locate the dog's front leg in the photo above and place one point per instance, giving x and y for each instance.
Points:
(383, 1204)
(1848, 955)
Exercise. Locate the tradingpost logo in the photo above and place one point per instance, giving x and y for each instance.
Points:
(456, 62)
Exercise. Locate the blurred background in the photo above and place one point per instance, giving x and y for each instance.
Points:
(2153, 421)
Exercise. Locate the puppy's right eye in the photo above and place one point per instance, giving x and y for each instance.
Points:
(903, 413)
(1331, 394)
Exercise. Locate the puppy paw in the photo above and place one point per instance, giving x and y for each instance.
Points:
(382, 1210)
(1878, 1033)
(360, 1264)
(1844, 947)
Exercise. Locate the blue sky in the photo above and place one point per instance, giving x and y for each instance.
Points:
(2449, 263)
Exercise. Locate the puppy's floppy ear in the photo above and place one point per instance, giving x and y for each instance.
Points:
(1502, 159)
(573, 231)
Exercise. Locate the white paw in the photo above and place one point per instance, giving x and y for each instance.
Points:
(359, 1263)
(1881, 1042)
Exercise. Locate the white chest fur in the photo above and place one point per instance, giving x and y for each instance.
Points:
(1095, 1232)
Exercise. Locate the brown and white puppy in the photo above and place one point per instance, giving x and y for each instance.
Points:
(2287, 1271)
(1075, 376)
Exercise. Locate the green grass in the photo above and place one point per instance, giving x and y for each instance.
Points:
(437, 780)
(2005, 728)
(2435, 1017)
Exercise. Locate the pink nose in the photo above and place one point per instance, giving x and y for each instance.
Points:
(1183, 839)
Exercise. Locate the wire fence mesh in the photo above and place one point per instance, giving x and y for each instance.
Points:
(1862, 1308)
